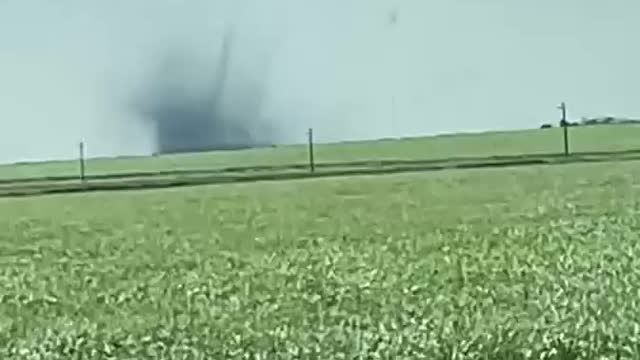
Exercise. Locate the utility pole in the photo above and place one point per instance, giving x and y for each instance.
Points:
(565, 127)
(82, 165)
(312, 165)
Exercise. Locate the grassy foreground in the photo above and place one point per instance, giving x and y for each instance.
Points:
(536, 262)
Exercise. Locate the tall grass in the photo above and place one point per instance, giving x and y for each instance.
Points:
(537, 262)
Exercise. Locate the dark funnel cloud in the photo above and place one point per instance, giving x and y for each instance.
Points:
(205, 109)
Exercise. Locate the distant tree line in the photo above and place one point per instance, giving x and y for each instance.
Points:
(609, 120)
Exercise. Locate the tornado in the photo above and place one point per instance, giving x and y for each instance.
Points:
(189, 114)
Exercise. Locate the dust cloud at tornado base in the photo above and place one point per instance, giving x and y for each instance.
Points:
(138, 77)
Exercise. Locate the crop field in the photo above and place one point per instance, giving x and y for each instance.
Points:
(512, 263)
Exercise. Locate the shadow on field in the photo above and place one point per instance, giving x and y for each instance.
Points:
(178, 178)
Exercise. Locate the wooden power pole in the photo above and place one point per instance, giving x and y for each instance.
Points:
(565, 127)
(81, 159)
(312, 165)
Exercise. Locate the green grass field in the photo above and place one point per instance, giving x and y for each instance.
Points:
(514, 263)
(499, 263)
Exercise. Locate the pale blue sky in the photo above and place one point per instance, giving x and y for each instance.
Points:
(68, 67)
